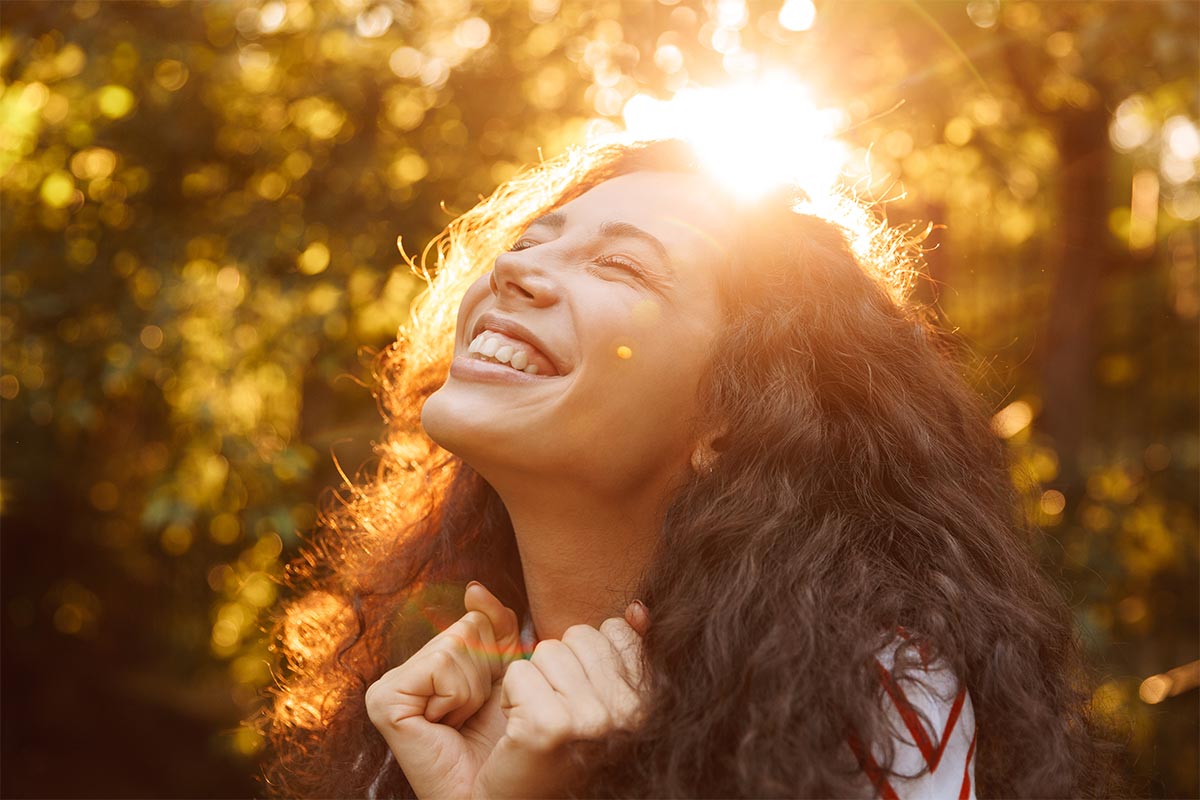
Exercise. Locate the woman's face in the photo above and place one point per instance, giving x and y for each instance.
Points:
(627, 349)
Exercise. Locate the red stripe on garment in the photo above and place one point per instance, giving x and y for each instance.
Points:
(923, 647)
(913, 722)
(867, 762)
(926, 653)
(965, 792)
(951, 721)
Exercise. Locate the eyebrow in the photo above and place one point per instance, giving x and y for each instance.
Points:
(556, 221)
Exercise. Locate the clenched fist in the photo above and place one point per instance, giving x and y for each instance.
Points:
(439, 711)
(572, 690)
(468, 717)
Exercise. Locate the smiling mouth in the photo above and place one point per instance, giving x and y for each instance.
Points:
(528, 369)
(515, 354)
(473, 366)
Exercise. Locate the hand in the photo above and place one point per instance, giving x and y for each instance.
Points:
(571, 691)
(439, 711)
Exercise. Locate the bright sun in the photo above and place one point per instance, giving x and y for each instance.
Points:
(753, 135)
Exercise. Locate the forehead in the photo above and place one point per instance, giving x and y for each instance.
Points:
(679, 209)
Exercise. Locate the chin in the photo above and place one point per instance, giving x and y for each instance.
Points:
(441, 423)
(460, 425)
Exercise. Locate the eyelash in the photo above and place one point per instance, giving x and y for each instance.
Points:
(605, 260)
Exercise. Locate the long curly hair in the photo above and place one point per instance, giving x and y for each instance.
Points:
(860, 488)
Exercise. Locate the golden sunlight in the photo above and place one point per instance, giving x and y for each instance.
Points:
(314, 626)
(754, 134)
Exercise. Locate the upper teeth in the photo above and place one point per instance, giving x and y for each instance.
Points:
(492, 346)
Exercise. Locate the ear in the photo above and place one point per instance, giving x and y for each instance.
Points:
(707, 450)
(720, 438)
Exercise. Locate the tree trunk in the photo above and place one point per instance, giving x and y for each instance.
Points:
(1084, 251)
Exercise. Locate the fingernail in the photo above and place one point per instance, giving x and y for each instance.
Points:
(469, 584)
(642, 606)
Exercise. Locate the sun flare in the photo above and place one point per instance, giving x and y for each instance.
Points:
(754, 135)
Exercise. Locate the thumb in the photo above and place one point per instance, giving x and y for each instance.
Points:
(638, 617)
(506, 628)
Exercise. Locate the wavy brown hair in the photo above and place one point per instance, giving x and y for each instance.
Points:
(859, 488)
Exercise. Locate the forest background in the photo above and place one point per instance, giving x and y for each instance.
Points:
(199, 204)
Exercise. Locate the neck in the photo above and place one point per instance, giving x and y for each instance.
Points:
(582, 555)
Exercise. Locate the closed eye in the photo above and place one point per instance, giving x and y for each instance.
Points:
(618, 261)
(608, 260)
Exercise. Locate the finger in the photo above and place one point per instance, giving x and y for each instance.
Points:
(538, 717)
(628, 646)
(595, 652)
(563, 670)
(526, 761)
(461, 627)
(586, 670)
(449, 686)
(479, 649)
(525, 685)
(506, 627)
(473, 661)
(614, 668)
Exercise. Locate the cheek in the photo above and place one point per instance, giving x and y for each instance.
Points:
(640, 409)
(647, 365)
(635, 325)
(660, 343)
(468, 306)
(471, 297)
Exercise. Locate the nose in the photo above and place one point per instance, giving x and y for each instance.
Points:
(520, 275)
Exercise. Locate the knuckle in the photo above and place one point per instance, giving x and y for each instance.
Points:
(548, 732)
(628, 711)
(441, 659)
(531, 736)
(378, 710)
(577, 630)
(595, 720)
(546, 646)
(515, 670)
(613, 625)
(371, 698)
(452, 641)
(476, 619)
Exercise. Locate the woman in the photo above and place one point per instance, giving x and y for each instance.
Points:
(735, 416)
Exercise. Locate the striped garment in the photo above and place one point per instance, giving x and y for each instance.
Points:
(933, 728)
(933, 725)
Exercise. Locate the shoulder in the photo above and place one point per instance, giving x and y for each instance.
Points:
(932, 732)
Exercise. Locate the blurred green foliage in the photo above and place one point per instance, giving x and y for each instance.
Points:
(200, 203)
